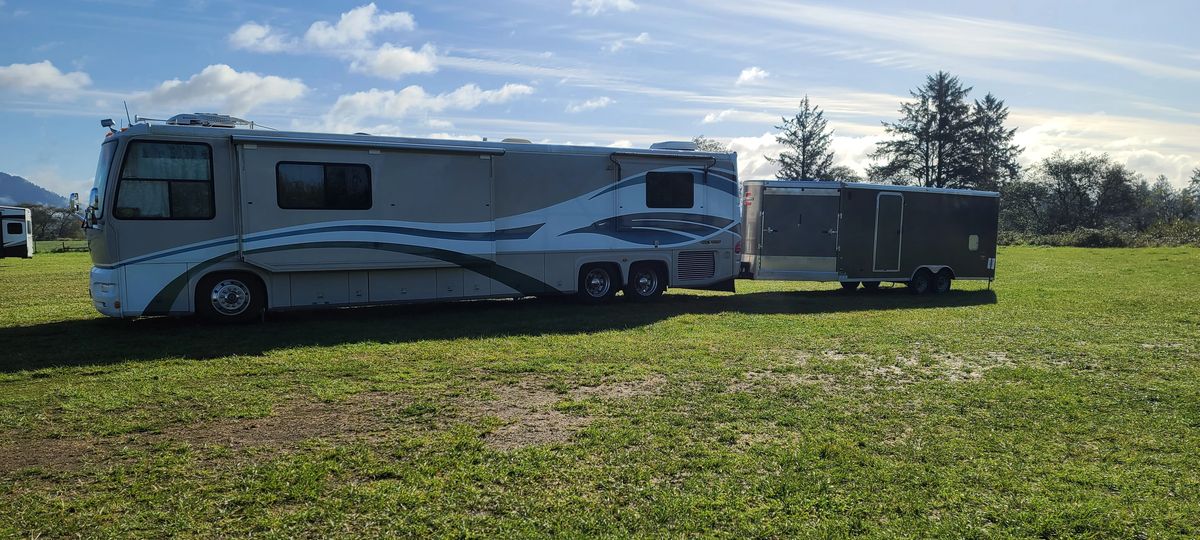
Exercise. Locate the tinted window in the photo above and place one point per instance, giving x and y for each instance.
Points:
(669, 190)
(323, 186)
(166, 181)
(14, 228)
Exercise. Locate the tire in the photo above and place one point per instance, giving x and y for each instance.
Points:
(230, 297)
(870, 286)
(597, 284)
(921, 283)
(941, 282)
(849, 286)
(646, 282)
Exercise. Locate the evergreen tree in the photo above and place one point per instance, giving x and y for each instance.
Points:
(708, 144)
(806, 137)
(993, 160)
(931, 143)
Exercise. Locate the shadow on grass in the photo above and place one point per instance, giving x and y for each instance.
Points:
(105, 341)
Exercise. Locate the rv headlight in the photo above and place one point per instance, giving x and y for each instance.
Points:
(105, 287)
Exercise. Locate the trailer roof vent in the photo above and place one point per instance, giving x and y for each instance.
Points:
(208, 120)
(516, 140)
(687, 146)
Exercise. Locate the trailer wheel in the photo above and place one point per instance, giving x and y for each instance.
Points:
(597, 283)
(646, 282)
(849, 286)
(871, 286)
(941, 282)
(233, 297)
(922, 282)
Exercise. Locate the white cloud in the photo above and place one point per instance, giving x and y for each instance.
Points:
(414, 100)
(590, 105)
(261, 38)
(392, 62)
(640, 39)
(356, 27)
(623, 143)
(40, 78)
(943, 36)
(712, 118)
(752, 74)
(596, 7)
(225, 89)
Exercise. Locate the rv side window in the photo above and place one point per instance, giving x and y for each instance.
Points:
(323, 186)
(669, 190)
(14, 228)
(166, 181)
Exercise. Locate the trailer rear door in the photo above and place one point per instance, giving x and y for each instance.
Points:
(799, 228)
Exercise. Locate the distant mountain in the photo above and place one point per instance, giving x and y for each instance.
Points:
(17, 190)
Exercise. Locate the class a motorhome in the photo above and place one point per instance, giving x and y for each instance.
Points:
(16, 231)
(200, 214)
(868, 234)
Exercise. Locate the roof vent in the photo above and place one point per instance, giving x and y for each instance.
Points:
(208, 120)
(687, 146)
(516, 140)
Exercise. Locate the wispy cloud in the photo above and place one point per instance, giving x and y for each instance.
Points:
(596, 7)
(752, 74)
(640, 39)
(590, 105)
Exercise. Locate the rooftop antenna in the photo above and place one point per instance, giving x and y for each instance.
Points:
(127, 119)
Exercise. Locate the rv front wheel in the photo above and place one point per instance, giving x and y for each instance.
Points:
(230, 297)
(871, 286)
(596, 284)
(849, 285)
(646, 282)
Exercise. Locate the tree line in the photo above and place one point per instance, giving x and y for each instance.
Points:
(52, 223)
(944, 139)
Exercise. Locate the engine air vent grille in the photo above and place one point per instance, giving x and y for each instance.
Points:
(693, 265)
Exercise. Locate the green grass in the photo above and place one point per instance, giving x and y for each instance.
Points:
(1063, 402)
(57, 246)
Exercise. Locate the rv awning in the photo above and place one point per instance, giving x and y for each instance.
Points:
(365, 143)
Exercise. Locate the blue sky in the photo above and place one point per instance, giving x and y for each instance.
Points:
(1099, 76)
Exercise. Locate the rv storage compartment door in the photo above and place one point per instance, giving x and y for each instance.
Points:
(798, 233)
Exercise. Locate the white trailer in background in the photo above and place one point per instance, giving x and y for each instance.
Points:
(16, 229)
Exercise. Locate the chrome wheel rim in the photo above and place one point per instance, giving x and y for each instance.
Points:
(645, 283)
(230, 297)
(596, 283)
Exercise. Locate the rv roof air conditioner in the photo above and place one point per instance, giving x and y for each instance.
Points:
(207, 120)
(687, 146)
(516, 140)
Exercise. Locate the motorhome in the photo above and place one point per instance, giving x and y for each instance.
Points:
(202, 214)
(16, 232)
(869, 234)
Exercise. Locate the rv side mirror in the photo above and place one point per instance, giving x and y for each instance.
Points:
(73, 203)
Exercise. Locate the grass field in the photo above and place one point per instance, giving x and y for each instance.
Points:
(1063, 402)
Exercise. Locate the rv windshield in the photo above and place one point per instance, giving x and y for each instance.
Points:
(107, 151)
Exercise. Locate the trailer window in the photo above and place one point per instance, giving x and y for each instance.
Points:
(14, 228)
(166, 181)
(323, 186)
(669, 190)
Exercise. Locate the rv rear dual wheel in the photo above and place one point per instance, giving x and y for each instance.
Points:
(849, 286)
(870, 286)
(597, 283)
(646, 282)
(230, 297)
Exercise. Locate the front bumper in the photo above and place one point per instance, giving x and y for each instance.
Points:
(105, 287)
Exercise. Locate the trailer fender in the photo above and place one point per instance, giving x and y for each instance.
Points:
(933, 269)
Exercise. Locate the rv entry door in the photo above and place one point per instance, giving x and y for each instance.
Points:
(799, 233)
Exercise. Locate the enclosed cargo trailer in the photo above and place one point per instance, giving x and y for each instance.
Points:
(868, 233)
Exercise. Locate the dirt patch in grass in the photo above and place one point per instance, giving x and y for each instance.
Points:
(528, 417)
(369, 415)
(952, 367)
(622, 390)
(751, 381)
